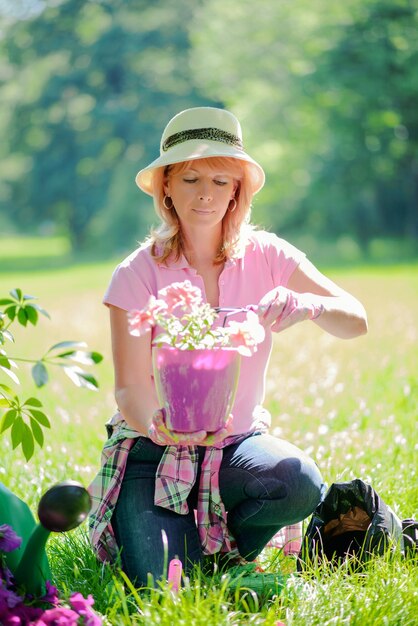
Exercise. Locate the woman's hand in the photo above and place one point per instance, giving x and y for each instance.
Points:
(162, 436)
(280, 308)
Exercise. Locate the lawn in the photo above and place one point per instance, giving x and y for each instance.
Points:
(352, 405)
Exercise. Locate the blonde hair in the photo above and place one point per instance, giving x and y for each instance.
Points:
(167, 240)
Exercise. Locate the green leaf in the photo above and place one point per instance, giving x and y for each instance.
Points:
(4, 402)
(32, 402)
(11, 374)
(22, 317)
(73, 375)
(89, 381)
(37, 432)
(6, 301)
(40, 417)
(68, 344)
(32, 314)
(7, 389)
(40, 374)
(81, 379)
(96, 357)
(41, 310)
(80, 356)
(17, 432)
(28, 445)
(11, 312)
(8, 335)
(16, 294)
(4, 361)
(26, 297)
(65, 354)
(8, 419)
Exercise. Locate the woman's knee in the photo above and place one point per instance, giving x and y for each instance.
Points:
(272, 473)
(293, 485)
(306, 490)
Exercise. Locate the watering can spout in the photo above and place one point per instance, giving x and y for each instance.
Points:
(33, 570)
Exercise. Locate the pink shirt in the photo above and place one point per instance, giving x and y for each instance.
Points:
(266, 262)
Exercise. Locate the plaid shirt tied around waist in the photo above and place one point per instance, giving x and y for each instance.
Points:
(176, 474)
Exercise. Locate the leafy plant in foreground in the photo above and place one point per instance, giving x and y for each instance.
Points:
(25, 418)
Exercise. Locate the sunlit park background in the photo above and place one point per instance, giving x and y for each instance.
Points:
(327, 96)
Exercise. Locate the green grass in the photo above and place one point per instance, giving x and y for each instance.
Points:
(352, 405)
(30, 254)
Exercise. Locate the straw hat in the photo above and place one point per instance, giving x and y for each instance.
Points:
(199, 133)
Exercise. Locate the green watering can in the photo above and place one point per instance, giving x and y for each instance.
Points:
(63, 507)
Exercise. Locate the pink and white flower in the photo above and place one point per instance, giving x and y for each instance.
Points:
(244, 336)
(187, 321)
(184, 295)
(141, 321)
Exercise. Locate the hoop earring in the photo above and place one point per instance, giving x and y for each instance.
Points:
(235, 204)
(165, 205)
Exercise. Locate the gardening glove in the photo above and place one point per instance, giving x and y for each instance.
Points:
(280, 308)
(162, 436)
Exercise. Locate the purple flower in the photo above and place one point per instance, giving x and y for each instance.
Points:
(10, 620)
(9, 541)
(6, 577)
(59, 616)
(51, 594)
(14, 611)
(82, 606)
(19, 615)
(8, 598)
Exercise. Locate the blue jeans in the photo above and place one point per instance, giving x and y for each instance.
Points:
(265, 483)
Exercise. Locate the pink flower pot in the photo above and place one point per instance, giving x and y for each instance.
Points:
(196, 387)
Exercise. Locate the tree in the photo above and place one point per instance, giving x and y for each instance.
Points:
(374, 130)
(88, 87)
(326, 93)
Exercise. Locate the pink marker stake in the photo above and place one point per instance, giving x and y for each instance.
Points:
(174, 574)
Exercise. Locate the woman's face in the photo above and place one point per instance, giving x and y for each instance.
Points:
(200, 193)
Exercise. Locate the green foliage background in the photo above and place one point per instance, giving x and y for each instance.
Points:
(326, 94)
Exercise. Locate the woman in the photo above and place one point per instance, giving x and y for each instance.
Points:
(245, 484)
